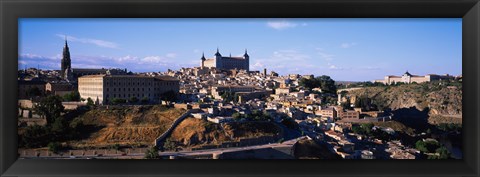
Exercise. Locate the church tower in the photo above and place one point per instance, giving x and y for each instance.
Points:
(203, 60)
(66, 61)
(247, 60)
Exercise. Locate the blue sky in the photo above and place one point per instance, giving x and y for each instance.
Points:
(345, 49)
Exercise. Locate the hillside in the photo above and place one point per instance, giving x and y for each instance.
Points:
(135, 125)
(440, 103)
(194, 132)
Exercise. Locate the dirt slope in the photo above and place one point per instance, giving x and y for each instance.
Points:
(134, 125)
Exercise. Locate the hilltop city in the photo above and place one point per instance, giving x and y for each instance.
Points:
(223, 110)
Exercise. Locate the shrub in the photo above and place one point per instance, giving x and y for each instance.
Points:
(152, 153)
(54, 146)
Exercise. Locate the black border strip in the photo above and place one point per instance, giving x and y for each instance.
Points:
(10, 11)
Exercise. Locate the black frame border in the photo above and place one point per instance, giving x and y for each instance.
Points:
(11, 10)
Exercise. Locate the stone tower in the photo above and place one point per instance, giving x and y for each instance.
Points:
(218, 59)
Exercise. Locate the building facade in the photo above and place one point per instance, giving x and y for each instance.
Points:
(227, 63)
(104, 88)
(408, 78)
(59, 88)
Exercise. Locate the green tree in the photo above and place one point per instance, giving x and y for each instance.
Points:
(133, 99)
(116, 146)
(421, 146)
(152, 153)
(34, 136)
(145, 100)
(34, 91)
(170, 145)
(290, 123)
(54, 146)
(117, 101)
(444, 154)
(51, 107)
(236, 116)
(327, 84)
(90, 102)
(72, 96)
(169, 96)
(228, 96)
(59, 125)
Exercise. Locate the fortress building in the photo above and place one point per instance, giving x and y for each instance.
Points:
(227, 63)
(408, 78)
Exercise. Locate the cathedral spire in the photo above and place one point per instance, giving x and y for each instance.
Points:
(203, 56)
(66, 44)
(66, 63)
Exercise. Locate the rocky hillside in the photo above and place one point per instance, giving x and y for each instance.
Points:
(135, 125)
(194, 132)
(441, 103)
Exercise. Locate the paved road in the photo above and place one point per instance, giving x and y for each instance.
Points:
(288, 143)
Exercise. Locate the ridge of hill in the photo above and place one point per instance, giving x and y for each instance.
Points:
(440, 103)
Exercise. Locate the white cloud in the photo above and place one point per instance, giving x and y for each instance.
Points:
(324, 55)
(171, 55)
(39, 57)
(285, 62)
(127, 58)
(347, 45)
(280, 25)
(335, 67)
(97, 42)
(152, 59)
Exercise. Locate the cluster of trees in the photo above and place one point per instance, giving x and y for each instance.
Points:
(72, 96)
(255, 115)
(324, 82)
(32, 92)
(367, 129)
(369, 104)
(152, 153)
(57, 129)
(432, 147)
(290, 123)
(448, 127)
(228, 96)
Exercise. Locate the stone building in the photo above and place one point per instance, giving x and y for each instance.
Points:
(103, 88)
(227, 63)
(409, 78)
(59, 88)
(218, 90)
(28, 87)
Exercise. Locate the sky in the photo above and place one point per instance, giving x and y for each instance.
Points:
(345, 49)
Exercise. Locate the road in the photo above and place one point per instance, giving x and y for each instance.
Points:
(287, 143)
